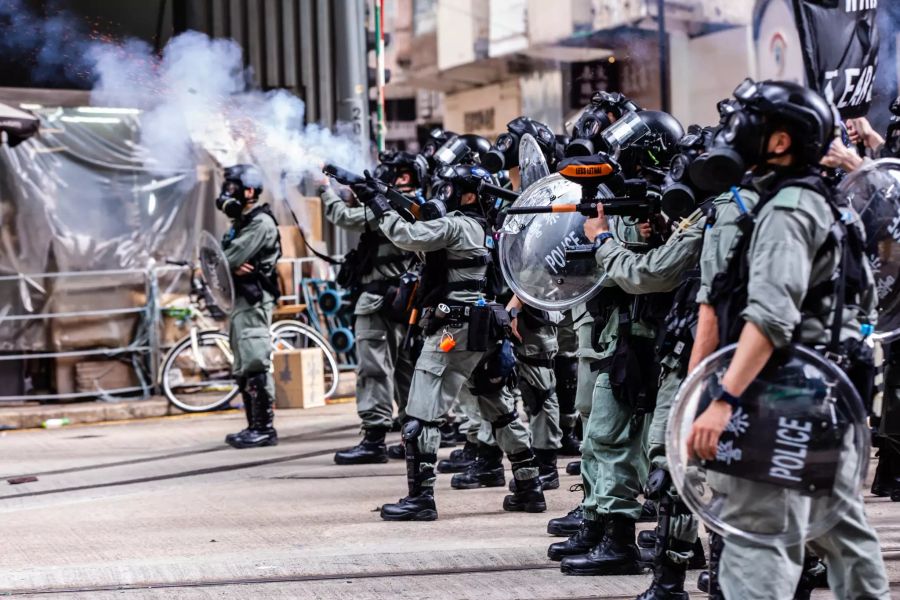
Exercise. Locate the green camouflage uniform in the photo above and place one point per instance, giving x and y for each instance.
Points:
(384, 369)
(537, 381)
(783, 265)
(255, 242)
(661, 270)
(439, 376)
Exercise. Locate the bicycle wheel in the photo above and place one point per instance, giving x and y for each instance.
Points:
(196, 373)
(290, 335)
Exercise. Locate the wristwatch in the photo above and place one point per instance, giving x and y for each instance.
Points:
(514, 312)
(718, 392)
(601, 239)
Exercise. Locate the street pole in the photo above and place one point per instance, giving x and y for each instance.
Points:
(350, 68)
(663, 56)
(380, 127)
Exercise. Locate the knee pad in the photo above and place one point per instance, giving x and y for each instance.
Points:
(411, 430)
(658, 483)
(504, 420)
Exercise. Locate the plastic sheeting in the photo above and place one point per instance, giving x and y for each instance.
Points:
(79, 197)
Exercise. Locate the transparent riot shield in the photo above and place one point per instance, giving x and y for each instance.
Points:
(215, 270)
(874, 193)
(533, 248)
(532, 163)
(791, 459)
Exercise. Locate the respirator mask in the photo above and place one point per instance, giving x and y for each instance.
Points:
(594, 120)
(450, 183)
(504, 153)
(232, 198)
(758, 110)
(680, 194)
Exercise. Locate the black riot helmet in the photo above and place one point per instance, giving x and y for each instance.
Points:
(437, 137)
(449, 184)
(462, 149)
(650, 152)
(393, 164)
(595, 119)
(238, 179)
(762, 109)
(504, 153)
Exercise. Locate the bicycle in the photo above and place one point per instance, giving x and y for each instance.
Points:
(195, 374)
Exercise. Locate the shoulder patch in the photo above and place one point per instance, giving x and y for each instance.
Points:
(788, 198)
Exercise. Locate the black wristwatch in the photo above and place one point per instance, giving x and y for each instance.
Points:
(718, 392)
(601, 239)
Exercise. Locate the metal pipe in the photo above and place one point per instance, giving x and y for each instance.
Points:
(663, 56)
(74, 353)
(380, 126)
(85, 313)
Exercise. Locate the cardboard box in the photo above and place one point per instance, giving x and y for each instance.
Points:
(299, 378)
(100, 375)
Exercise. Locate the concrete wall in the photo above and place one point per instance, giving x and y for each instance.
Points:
(485, 110)
(706, 69)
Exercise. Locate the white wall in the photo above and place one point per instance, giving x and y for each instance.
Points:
(706, 69)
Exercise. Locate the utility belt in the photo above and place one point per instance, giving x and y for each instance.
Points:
(533, 361)
(488, 323)
(857, 360)
(250, 287)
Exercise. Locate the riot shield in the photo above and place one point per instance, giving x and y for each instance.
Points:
(791, 459)
(215, 270)
(874, 193)
(532, 163)
(533, 249)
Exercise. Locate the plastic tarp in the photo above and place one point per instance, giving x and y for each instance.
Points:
(80, 197)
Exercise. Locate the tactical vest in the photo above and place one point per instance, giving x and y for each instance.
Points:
(728, 294)
(364, 260)
(263, 277)
(435, 276)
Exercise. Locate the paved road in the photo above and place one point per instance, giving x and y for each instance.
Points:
(162, 509)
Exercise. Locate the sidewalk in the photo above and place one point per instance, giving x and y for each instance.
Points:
(33, 415)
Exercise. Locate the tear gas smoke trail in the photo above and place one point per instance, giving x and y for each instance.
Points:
(196, 95)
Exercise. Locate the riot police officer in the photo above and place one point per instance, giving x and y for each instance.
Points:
(374, 271)
(462, 326)
(614, 465)
(775, 287)
(252, 247)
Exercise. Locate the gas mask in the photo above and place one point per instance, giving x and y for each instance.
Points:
(448, 187)
(504, 154)
(680, 193)
(238, 179)
(759, 110)
(594, 120)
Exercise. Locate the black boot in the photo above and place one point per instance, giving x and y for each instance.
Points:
(570, 445)
(648, 512)
(459, 460)
(485, 471)
(370, 450)
(708, 581)
(569, 524)
(419, 504)
(527, 495)
(248, 412)
(448, 435)
(885, 481)
(397, 452)
(262, 431)
(668, 576)
(588, 535)
(547, 470)
(573, 468)
(616, 554)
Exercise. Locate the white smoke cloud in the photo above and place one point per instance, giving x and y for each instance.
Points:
(197, 95)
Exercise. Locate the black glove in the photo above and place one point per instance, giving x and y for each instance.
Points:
(372, 198)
